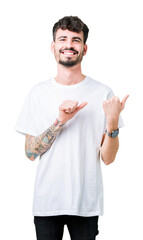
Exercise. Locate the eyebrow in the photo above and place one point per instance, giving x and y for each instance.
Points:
(72, 38)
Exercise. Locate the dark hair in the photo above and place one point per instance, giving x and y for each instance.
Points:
(73, 24)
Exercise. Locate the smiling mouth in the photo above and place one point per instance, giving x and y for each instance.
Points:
(68, 52)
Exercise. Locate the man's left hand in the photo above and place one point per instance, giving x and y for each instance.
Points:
(113, 107)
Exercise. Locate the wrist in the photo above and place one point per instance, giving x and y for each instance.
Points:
(56, 126)
(112, 125)
(59, 122)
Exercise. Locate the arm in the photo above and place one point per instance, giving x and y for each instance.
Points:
(109, 146)
(35, 146)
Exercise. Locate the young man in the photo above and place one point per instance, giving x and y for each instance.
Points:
(69, 121)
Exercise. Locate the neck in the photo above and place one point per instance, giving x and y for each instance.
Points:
(69, 76)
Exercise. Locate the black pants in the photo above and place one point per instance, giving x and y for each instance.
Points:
(80, 228)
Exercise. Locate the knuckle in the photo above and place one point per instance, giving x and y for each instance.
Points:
(116, 98)
(75, 102)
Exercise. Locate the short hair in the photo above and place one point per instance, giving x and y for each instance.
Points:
(73, 24)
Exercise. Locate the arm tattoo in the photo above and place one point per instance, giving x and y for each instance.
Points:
(35, 146)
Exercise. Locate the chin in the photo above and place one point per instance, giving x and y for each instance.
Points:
(68, 63)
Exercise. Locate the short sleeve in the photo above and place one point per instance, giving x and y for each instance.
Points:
(121, 122)
(26, 123)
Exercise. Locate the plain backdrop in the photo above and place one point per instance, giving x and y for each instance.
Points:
(115, 58)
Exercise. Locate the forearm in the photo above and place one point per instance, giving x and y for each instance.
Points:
(110, 146)
(35, 146)
(109, 149)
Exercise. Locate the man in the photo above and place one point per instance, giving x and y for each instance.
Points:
(69, 121)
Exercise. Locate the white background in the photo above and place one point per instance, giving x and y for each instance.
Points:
(115, 58)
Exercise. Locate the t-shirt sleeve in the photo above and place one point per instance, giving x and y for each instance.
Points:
(120, 122)
(26, 123)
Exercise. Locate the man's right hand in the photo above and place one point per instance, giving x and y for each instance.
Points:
(68, 109)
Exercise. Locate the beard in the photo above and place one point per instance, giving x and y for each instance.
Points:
(68, 62)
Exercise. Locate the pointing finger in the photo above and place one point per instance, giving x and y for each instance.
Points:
(81, 106)
(124, 101)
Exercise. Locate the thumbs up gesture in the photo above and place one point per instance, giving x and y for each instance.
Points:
(113, 107)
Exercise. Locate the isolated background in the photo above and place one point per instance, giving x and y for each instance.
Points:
(115, 58)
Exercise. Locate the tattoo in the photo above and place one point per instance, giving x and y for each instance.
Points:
(35, 146)
(30, 154)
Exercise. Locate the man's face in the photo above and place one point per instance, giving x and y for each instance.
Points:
(69, 47)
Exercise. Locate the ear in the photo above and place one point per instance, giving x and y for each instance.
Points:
(85, 48)
(52, 46)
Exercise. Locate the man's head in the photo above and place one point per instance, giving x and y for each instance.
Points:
(73, 24)
(69, 38)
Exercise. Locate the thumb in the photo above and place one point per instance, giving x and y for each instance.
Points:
(82, 105)
(124, 101)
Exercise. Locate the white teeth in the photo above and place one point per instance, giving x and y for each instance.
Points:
(68, 53)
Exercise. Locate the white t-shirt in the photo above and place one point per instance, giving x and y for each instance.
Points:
(69, 179)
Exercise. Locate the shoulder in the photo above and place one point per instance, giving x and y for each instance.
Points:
(100, 86)
(39, 87)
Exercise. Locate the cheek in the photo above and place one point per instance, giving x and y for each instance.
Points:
(56, 50)
(81, 50)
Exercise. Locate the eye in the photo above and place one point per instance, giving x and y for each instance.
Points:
(75, 40)
(62, 39)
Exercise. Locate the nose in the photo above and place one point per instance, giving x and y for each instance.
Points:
(69, 43)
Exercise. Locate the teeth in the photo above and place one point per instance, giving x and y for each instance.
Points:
(68, 53)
